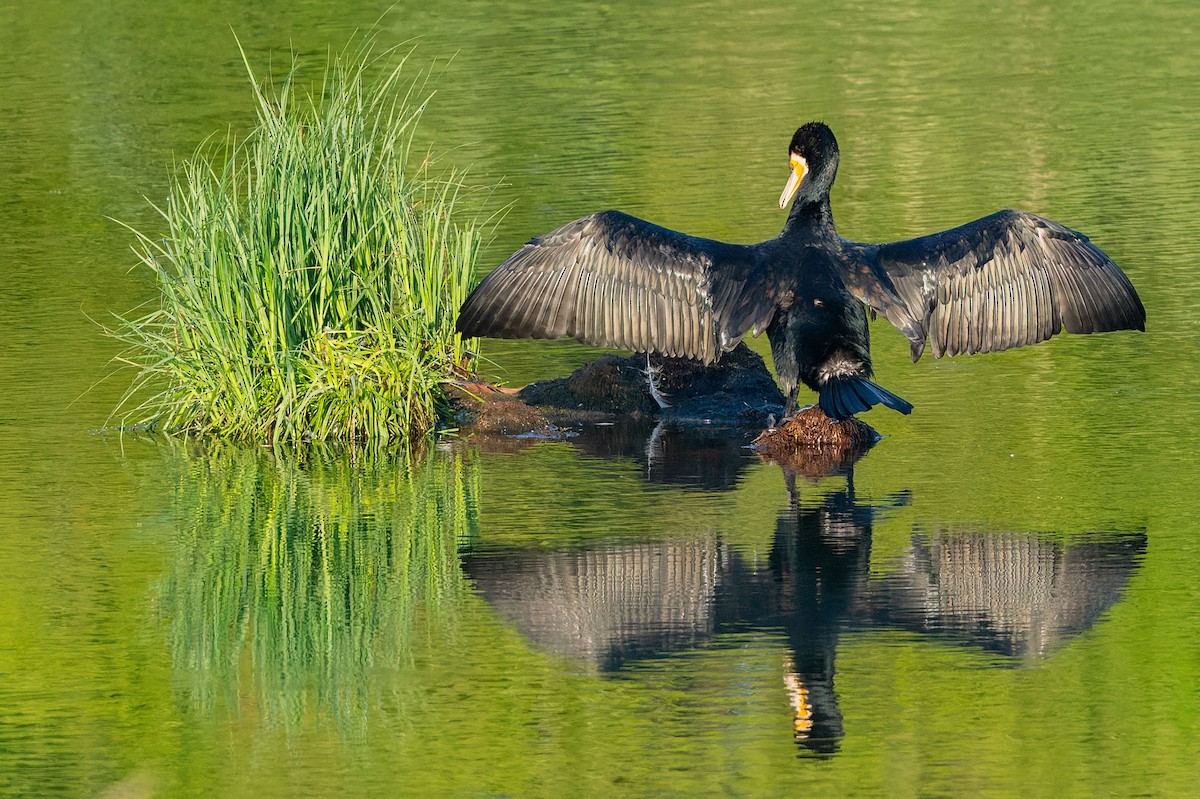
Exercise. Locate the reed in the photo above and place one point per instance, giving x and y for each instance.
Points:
(310, 273)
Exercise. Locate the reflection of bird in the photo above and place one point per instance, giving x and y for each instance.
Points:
(612, 280)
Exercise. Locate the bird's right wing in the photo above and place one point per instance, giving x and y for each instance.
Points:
(612, 280)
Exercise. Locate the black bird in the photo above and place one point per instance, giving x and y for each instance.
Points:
(612, 280)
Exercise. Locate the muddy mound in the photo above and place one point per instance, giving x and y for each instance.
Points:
(813, 445)
(736, 389)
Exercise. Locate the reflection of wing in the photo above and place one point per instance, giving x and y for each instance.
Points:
(603, 607)
(613, 280)
(1003, 281)
(1016, 593)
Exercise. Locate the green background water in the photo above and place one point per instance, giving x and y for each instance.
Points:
(1006, 603)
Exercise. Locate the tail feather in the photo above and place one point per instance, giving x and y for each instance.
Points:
(844, 396)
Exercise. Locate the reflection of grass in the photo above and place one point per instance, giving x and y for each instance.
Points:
(310, 275)
(300, 579)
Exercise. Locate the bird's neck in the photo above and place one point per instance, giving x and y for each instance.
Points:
(809, 217)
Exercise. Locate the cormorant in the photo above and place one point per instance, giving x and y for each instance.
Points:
(612, 280)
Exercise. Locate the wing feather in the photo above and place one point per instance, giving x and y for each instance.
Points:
(1006, 280)
(613, 280)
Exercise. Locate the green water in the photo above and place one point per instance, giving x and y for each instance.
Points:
(1001, 601)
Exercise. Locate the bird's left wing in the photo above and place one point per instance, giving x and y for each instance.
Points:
(1003, 281)
(613, 280)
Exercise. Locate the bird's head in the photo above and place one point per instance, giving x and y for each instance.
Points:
(813, 158)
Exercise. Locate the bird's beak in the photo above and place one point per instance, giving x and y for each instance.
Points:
(799, 170)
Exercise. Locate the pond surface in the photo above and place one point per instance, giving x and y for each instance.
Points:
(1002, 598)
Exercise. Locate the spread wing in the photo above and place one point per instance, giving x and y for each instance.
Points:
(1003, 281)
(612, 280)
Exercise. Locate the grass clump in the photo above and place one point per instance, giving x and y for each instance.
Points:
(311, 273)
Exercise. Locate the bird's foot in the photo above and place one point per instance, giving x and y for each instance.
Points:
(652, 372)
(792, 412)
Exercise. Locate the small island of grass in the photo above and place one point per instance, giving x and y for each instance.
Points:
(310, 272)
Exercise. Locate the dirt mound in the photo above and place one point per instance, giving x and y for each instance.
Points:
(813, 445)
(737, 389)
